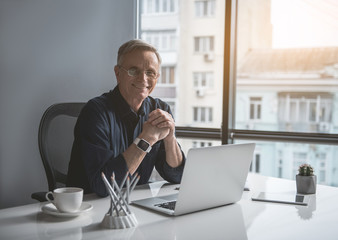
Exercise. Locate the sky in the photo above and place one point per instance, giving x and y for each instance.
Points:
(304, 23)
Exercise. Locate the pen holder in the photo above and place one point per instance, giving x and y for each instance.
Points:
(119, 222)
(119, 215)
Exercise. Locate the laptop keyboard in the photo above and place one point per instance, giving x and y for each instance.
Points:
(167, 205)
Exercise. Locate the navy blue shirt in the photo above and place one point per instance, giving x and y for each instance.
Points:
(106, 127)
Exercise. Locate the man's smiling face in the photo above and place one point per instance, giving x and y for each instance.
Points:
(137, 88)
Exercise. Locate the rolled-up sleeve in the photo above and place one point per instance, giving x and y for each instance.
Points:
(170, 174)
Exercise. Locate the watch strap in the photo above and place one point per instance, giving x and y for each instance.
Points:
(142, 145)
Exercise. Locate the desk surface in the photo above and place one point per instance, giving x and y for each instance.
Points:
(243, 220)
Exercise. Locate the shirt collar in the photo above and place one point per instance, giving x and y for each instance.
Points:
(123, 107)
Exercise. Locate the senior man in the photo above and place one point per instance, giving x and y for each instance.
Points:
(125, 129)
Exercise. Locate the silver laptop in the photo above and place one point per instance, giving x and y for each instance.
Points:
(212, 177)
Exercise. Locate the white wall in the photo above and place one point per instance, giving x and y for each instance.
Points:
(50, 51)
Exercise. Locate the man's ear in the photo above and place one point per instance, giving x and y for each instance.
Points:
(117, 73)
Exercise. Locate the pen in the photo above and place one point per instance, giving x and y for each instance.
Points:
(128, 182)
(134, 178)
(124, 180)
(135, 182)
(121, 196)
(114, 194)
(112, 202)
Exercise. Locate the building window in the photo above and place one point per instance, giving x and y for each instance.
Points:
(204, 44)
(167, 76)
(205, 8)
(203, 80)
(280, 168)
(321, 157)
(255, 108)
(305, 107)
(255, 164)
(306, 112)
(202, 114)
(172, 105)
(158, 6)
(162, 40)
(197, 144)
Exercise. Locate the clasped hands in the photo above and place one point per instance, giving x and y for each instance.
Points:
(160, 125)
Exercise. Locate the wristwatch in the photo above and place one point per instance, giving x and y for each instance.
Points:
(142, 144)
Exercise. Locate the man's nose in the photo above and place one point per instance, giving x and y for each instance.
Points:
(143, 76)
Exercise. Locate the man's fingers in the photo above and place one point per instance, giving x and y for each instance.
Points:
(164, 125)
(159, 120)
(159, 117)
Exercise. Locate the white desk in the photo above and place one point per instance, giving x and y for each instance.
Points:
(244, 220)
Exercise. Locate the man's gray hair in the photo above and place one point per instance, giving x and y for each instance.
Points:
(136, 44)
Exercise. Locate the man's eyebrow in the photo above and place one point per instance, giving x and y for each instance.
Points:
(146, 69)
(152, 68)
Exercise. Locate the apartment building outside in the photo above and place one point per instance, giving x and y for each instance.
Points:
(298, 96)
(289, 94)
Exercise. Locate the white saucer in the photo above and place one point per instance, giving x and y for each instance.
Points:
(50, 209)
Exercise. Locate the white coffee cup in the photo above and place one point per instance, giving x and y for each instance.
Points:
(67, 199)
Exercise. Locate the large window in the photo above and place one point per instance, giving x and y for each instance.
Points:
(290, 65)
(252, 74)
(282, 159)
(286, 75)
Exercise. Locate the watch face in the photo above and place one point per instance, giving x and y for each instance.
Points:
(143, 145)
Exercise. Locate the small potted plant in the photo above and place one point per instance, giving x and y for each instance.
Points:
(305, 179)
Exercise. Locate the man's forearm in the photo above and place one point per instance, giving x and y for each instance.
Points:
(174, 156)
(133, 157)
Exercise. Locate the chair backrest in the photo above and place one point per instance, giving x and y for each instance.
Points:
(56, 135)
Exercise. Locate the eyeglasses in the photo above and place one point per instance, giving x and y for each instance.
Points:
(135, 72)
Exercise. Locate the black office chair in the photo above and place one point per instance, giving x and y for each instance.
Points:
(55, 143)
